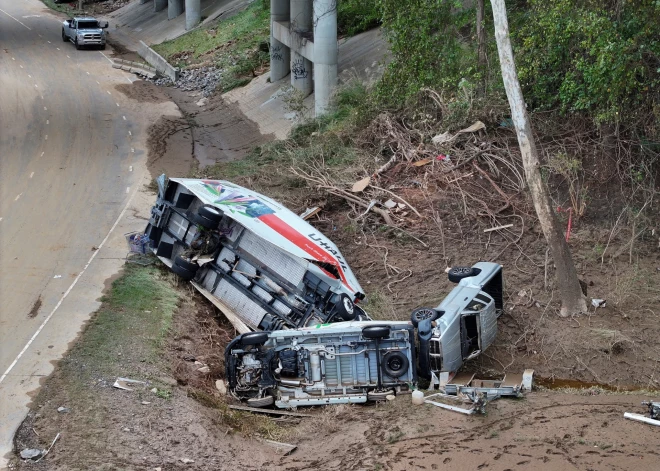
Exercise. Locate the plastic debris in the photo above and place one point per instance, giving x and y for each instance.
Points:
(123, 383)
(31, 453)
(598, 303)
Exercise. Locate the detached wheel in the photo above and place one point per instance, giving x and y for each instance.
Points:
(261, 401)
(376, 332)
(456, 274)
(211, 213)
(64, 38)
(345, 308)
(254, 338)
(423, 313)
(183, 263)
(395, 364)
(184, 274)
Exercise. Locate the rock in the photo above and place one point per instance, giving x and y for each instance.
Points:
(220, 386)
(154, 390)
(204, 369)
(186, 460)
(126, 429)
(390, 397)
(31, 453)
(145, 403)
(63, 410)
(202, 102)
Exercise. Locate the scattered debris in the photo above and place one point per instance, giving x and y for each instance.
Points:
(63, 410)
(491, 229)
(57, 276)
(220, 386)
(389, 204)
(598, 303)
(390, 397)
(204, 369)
(447, 137)
(49, 448)
(654, 412)
(123, 383)
(186, 460)
(202, 102)
(126, 429)
(423, 162)
(154, 390)
(310, 212)
(145, 403)
(286, 448)
(361, 185)
(31, 453)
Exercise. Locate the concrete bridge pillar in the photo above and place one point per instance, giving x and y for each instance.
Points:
(193, 13)
(174, 8)
(160, 5)
(325, 53)
(280, 55)
(301, 68)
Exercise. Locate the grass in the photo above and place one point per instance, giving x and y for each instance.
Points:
(63, 7)
(140, 305)
(231, 44)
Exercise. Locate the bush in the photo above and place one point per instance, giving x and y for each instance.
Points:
(593, 56)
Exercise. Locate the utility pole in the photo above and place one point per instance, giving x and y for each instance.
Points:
(572, 299)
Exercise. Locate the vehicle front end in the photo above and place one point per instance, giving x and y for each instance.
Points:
(91, 37)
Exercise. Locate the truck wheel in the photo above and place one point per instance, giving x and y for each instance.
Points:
(346, 308)
(261, 401)
(456, 274)
(423, 313)
(64, 37)
(183, 273)
(254, 338)
(103, 47)
(395, 364)
(376, 332)
(183, 263)
(202, 221)
(75, 42)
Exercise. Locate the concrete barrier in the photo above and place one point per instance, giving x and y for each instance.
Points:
(157, 61)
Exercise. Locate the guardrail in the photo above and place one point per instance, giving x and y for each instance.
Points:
(157, 61)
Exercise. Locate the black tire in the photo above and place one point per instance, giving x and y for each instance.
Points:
(345, 308)
(184, 274)
(254, 338)
(423, 313)
(261, 401)
(103, 47)
(75, 42)
(202, 221)
(395, 364)
(64, 37)
(377, 396)
(211, 213)
(376, 332)
(183, 263)
(456, 274)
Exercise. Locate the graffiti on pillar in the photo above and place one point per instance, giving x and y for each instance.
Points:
(276, 53)
(298, 69)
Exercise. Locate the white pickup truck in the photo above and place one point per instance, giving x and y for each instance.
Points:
(84, 31)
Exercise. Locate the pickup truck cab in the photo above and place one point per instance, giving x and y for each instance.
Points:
(84, 31)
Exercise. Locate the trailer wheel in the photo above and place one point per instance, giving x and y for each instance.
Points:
(423, 313)
(261, 401)
(376, 332)
(183, 263)
(456, 274)
(64, 38)
(184, 274)
(254, 338)
(211, 213)
(395, 364)
(346, 308)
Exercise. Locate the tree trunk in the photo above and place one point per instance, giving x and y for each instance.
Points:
(481, 36)
(572, 299)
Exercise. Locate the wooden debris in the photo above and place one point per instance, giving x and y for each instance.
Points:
(491, 229)
(310, 212)
(423, 162)
(360, 185)
(270, 411)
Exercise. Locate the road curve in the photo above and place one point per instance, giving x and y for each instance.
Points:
(67, 157)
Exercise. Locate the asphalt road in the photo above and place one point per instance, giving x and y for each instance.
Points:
(69, 144)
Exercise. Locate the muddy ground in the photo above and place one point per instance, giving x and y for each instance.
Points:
(616, 346)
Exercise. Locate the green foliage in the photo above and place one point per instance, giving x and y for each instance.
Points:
(427, 48)
(356, 16)
(592, 56)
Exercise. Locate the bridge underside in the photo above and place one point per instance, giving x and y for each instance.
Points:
(192, 9)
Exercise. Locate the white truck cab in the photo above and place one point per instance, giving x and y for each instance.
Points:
(84, 31)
